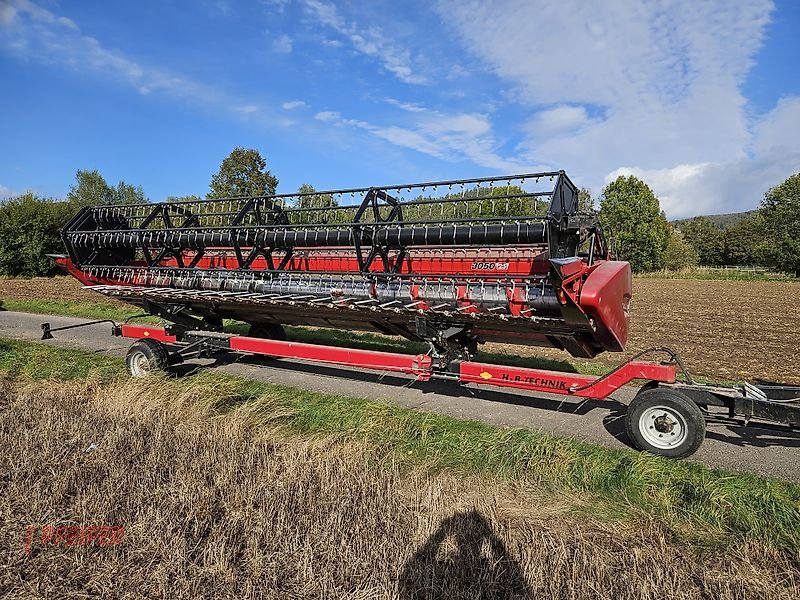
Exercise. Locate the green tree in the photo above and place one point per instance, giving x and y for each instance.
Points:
(29, 230)
(91, 188)
(124, 193)
(586, 202)
(780, 210)
(745, 243)
(304, 200)
(707, 240)
(502, 201)
(679, 254)
(243, 173)
(190, 198)
(631, 214)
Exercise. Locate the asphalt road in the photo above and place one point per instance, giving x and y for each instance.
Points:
(764, 449)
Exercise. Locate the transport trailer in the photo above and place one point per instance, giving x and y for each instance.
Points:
(666, 417)
(452, 264)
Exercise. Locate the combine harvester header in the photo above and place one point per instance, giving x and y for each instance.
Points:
(453, 263)
(450, 263)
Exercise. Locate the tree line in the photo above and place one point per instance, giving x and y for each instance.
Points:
(30, 224)
(628, 209)
(640, 233)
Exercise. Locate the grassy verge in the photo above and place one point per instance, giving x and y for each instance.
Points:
(688, 501)
(90, 310)
(712, 274)
(221, 497)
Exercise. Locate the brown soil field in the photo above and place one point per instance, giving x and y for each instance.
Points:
(53, 289)
(731, 330)
(225, 507)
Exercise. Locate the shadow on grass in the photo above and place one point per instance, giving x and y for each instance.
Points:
(464, 558)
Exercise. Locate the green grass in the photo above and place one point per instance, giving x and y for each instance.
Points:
(90, 310)
(712, 274)
(37, 361)
(689, 501)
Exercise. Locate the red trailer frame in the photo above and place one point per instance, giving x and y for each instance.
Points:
(421, 366)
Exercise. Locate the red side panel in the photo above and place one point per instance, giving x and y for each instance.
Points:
(419, 365)
(523, 261)
(557, 382)
(143, 331)
(606, 296)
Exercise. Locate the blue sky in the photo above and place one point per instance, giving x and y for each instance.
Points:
(701, 101)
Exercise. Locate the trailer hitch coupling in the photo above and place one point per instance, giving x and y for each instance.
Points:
(47, 331)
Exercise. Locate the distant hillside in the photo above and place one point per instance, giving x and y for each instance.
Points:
(721, 221)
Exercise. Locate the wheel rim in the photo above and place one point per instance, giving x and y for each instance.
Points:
(139, 365)
(663, 427)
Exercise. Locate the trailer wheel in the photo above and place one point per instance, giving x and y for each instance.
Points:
(666, 422)
(267, 331)
(146, 356)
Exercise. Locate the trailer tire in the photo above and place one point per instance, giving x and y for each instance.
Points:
(146, 356)
(267, 331)
(665, 422)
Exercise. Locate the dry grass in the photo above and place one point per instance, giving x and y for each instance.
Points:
(219, 506)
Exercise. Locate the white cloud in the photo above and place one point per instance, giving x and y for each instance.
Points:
(371, 41)
(222, 7)
(327, 115)
(12, 8)
(456, 72)
(43, 36)
(665, 81)
(6, 192)
(452, 137)
(611, 53)
(411, 139)
(247, 109)
(278, 6)
(407, 106)
(293, 104)
(559, 118)
(708, 188)
(7, 13)
(779, 130)
(282, 44)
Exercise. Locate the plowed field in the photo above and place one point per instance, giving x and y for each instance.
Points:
(728, 329)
